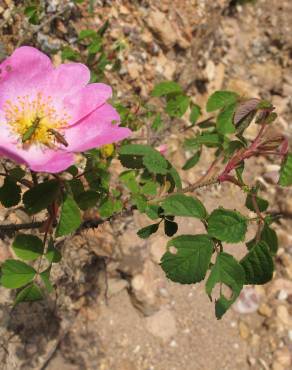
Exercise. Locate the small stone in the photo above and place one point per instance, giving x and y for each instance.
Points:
(283, 295)
(243, 330)
(145, 289)
(255, 339)
(265, 310)
(134, 70)
(251, 361)
(210, 70)
(283, 357)
(161, 26)
(162, 324)
(173, 344)
(283, 315)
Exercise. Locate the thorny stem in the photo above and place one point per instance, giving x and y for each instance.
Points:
(261, 220)
(184, 129)
(241, 155)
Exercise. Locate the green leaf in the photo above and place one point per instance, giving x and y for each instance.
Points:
(157, 123)
(229, 272)
(224, 122)
(53, 255)
(220, 99)
(149, 188)
(84, 34)
(286, 171)
(129, 179)
(208, 139)
(73, 170)
(195, 113)
(191, 162)
(32, 13)
(30, 293)
(170, 227)
(41, 196)
(145, 232)
(262, 203)
(87, 200)
(15, 274)
(110, 206)
(258, 264)
(190, 261)
(166, 88)
(183, 205)
(76, 186)
(94, 47)
(174, 178)
(269, 236)
(17, 173)
(264, 104)
(233, 146)
(103, 28)
(131, 161)
(30, 10)
(153, 211)
(45, 276)
(155, 163)
(135, 155)
(10, 193)
(140, 201)
(177, 106)
(70, 54)
(228, 226)
(271, 118)
(70, 218)
(27, 247)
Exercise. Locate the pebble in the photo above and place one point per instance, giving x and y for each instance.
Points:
(283, 315)
(283, 295)
(283, 357)
(173, 344)
(265, 310)
(162, 27)
(243, 330)
(162, 324)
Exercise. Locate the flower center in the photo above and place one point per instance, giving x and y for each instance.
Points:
(36, 121)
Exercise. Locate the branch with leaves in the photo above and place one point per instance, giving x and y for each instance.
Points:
(149, 183)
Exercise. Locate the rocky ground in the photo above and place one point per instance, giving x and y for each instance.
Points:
(145, 321)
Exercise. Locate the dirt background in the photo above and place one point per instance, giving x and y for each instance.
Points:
(145, 321)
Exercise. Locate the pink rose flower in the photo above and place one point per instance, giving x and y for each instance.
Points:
(47, 114)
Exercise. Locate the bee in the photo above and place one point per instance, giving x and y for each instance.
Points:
(59, 137)
(31, 130)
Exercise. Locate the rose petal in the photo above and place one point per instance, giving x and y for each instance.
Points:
(67, 79)
(36, 158)
(86, 100)
(24, 71)
(96, 130)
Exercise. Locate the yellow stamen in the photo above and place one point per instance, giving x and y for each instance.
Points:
(25, 111)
